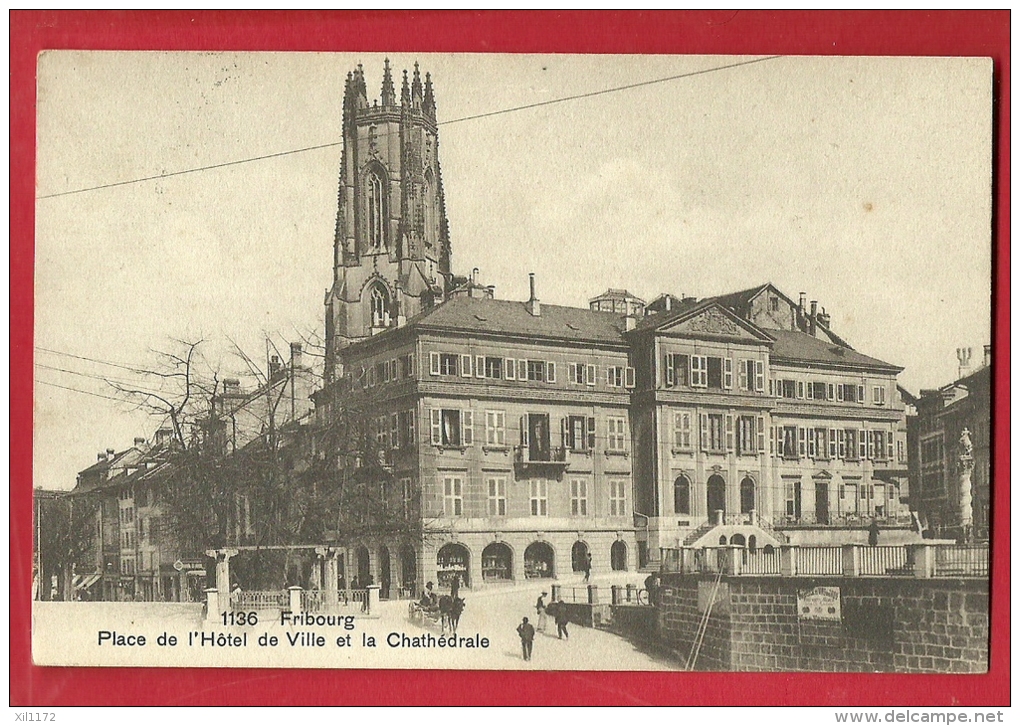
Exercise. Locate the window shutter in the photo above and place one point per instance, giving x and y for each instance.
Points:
(727, 379)
(743, 383)
(832, 392)
(800, 389)
(801, 441)
(839, 392)
(467, 428)
(522, 370)
(479, 366)
(761, 434)
(465, 366)
(772, 387)
(779, 441)
(759, 376)
(550, 372)
(591, 375)
(410, 365)
(510, 369)
(628, 379)
(889, 450)
(565, 433)
(811, 443)
(591, 433)
(668, 374)
(524, 430)
(862, 444)
(841, 444)
(860, 394)
(434, 363)
(832, 443)
(704, 432)
(871, 445)
(729, 430)
(437, 425)
(809, 390)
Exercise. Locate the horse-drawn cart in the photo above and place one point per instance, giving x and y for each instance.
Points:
(420, 615)
(446, 612)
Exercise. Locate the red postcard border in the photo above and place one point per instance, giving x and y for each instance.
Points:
(956, 33)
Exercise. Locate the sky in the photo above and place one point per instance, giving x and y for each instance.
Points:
(864, 182)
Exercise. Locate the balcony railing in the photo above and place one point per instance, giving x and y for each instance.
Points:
(551, 461)
(552, 455)
(921, 560)
(810, 519)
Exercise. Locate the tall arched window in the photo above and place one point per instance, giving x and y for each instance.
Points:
(429, 202)
(747, 495)
(376, 213)
(682, 495)
(380, 307)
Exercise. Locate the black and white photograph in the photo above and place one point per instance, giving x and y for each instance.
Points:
(525, 362)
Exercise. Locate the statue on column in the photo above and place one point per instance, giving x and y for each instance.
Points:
(966, 462)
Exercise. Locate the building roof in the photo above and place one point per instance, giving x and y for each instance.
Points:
(979, 378)
(509, 317)
(797, 346)
(656, 320)
(742, 297)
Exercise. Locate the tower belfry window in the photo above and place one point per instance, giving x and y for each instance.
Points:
(380, 308)
(375, 212)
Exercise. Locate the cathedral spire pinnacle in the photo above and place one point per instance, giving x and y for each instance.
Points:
(405, 92)
(416, 87)
(358, 86)
(388, 97)
(428, 101)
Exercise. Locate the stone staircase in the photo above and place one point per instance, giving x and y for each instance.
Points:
(745, 528)
(699, 533)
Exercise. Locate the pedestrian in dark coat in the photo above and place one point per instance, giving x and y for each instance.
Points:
(455, 586)
(527, 632)
(562, 618)
(587, 567)
(873, 533)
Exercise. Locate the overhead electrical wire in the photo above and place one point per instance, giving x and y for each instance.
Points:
(462, 119)
(79, 390)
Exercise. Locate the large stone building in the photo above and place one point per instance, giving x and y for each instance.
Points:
(529, 437)
(527, 440)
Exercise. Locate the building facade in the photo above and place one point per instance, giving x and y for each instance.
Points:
(135, 553)
(953, 450)
(528, 437)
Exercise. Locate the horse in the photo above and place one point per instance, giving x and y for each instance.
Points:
(450, 609)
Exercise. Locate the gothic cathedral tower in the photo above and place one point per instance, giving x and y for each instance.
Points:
(391, 250)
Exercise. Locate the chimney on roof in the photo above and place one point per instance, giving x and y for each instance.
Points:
(274, 366)
(139, 441)
(232, 386)
(534, 306)
(814, 314)
(110, 453)
(963, 356)
(101, 456)
(803, 303)
(163, 435)
(295, 356)
(987, 361)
